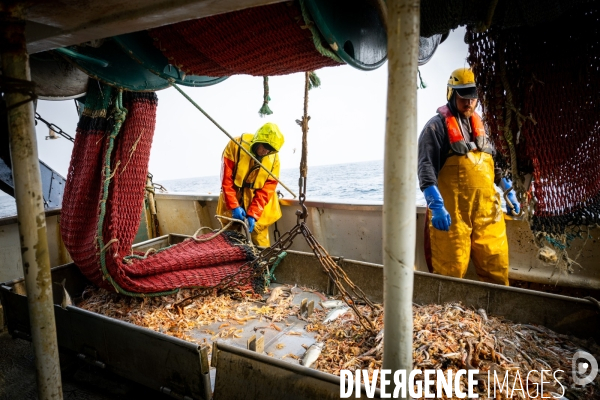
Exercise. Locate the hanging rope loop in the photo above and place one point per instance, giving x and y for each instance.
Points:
(303, 213)
(15, 85)
(265, 110)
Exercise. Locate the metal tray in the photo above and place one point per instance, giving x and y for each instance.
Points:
(180, 368)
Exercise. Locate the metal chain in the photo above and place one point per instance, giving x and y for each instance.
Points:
(54, 129)
(338, 277)
(254, 269)
(259, 268)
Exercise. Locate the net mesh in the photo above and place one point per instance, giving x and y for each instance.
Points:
(191, 263)
(539, 91)
(260, 41)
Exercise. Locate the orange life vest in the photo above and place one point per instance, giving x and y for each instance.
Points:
(458, 144)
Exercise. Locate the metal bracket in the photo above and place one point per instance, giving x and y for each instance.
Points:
(204, 367)
(307, 307)
(257, 345)
(214, 356)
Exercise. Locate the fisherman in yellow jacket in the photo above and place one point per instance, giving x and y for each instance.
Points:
(247, 190)
(457, 176)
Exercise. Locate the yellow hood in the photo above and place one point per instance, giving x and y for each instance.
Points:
(270, 134)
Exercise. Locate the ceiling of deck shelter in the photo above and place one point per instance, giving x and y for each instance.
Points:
(59, 23)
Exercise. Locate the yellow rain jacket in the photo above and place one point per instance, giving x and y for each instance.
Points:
(478, 230)
(245, 184)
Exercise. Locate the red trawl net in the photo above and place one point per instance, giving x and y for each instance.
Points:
(260, 41)
(107, 260)
(540, 91)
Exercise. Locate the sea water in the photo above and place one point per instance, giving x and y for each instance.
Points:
(360, 182)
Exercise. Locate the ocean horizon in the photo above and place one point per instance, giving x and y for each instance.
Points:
(360, 182)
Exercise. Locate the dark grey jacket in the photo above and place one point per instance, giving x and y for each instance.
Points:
(434, 149)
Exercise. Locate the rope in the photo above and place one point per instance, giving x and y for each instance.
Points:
(593, 301)
(315, 82)
(304, 125)
(231, 137)
(231, 221)
(422, 85)
(15, 85)
(270, 275)
(265, 110)
(301, 215)
(132, 150)
(217, 233)
(146, 254)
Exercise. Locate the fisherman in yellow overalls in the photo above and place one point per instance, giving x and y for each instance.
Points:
(457, 176)
(247, 190)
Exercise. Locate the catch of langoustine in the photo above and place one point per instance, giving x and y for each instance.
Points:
(447, 336)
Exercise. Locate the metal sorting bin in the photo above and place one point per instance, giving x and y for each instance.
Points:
(181, 369)
(164, 363)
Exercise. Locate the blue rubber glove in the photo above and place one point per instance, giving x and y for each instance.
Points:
(440, 219)
(251, 222)
(238, 213)
(506, 184)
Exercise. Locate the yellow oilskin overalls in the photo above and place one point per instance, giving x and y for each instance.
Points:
(478, 230)
(245, 184)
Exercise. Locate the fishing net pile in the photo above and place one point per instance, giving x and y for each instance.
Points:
(276, 39)
(539, 90)
(103, 200)
(445, 337)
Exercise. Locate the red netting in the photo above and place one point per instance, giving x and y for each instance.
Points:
(267, 40)
(539, 88)
(187, 264)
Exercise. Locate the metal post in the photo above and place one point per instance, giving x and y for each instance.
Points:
(30, 204)
(400, 168)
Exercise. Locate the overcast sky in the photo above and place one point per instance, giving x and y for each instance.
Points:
(347, 117)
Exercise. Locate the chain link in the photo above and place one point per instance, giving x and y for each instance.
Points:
(54, 129)
(339, 278)
(257, 269)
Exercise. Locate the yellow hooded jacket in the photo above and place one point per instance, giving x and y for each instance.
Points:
(244, 183)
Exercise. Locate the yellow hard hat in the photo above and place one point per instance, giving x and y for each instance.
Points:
(463, 81)
(269, 134)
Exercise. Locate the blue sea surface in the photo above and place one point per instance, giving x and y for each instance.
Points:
(360, 182)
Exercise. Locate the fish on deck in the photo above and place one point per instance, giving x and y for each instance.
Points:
(335, 313)
(312, 354)
(66, 301)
